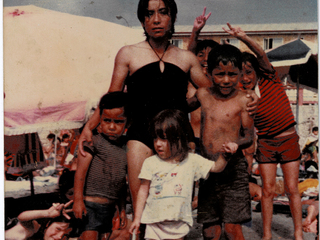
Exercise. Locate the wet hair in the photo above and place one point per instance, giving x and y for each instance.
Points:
(248, 57)
(114, 100)
(142, 12)
(224, 53)
(314, 129)
(203, 44)
(173, 125)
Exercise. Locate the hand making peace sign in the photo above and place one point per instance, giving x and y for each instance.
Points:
(200, 21)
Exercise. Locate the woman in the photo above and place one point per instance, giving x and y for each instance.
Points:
(156, 74)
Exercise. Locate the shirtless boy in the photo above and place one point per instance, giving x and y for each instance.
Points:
(226, 129)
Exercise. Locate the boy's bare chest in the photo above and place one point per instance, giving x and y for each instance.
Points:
(222, 110)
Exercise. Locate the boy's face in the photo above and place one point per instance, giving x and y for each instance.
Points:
(203, 58)
(225, 78)
(113, 123)
(249, 78)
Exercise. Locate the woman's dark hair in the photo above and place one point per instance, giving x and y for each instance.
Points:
(173, 125)
(248, 57)
(170, 5)
(224, 53)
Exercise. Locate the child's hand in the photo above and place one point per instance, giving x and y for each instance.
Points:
(134, 228)
(253, 105)
(235, 31)
(200, 21)
(123, 219)
(58, 208)
(79, 208)
(230, 147)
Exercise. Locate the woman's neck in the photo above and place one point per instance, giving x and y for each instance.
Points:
(159, 44)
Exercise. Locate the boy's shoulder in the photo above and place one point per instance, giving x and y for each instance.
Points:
(203, 91)
(243, 96)
(100, 138)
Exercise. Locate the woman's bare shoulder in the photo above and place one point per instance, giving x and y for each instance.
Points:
(132, 48)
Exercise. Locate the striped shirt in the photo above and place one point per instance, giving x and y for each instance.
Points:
(274, 114)
(106, 176)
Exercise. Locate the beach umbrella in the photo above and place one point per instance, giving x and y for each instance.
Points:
(56, 66)
(299, 59)
(292, 53)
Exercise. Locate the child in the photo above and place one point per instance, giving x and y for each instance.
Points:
(164, 197)
(100, 179)
(278, 141)
(225, 123)
(28, 228)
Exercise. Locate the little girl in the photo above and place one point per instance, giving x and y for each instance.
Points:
(167, 178)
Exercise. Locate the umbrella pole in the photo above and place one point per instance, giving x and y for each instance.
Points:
(31, 183)
(55, 152)
(297, 106)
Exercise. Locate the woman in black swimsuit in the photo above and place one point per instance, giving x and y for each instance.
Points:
(156, 74)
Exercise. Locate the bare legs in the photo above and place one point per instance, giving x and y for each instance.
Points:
(232, 232)
(291, 174)
(137, 153)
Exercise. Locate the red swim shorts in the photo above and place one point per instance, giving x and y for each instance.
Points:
(279, 150)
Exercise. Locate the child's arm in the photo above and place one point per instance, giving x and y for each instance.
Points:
(255, 47)
(219, 164)
(141, 201)
(79, 181)
(122, 207)
(54, 211)
(198, 24)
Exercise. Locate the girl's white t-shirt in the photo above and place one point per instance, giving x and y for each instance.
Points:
(171, 186)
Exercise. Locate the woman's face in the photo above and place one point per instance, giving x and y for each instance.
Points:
(158, 22)
(249, 78)
(56, 231)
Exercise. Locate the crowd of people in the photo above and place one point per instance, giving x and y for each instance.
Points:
(141, 135)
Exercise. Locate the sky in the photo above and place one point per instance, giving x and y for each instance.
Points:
(233, 11)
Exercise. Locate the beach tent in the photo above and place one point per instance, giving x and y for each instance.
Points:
(56, 67)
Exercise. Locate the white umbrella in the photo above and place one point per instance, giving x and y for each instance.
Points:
(56, 65)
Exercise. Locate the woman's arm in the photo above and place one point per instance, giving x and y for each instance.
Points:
(196, 73)
(120, 72)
